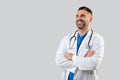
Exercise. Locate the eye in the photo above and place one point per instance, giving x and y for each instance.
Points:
(77, 15)
(82, 15)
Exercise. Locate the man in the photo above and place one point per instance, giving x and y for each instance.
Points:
(80, 53)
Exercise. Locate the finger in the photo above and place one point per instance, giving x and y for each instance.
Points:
(90, 53)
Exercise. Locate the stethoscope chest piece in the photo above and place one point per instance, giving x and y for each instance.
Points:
(88, 47)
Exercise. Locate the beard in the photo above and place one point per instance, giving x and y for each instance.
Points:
(80, 24)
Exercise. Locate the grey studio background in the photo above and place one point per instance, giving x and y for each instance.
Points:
(31, 30)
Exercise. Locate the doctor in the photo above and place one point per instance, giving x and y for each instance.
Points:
(80, 53)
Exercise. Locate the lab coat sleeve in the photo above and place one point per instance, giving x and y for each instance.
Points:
(91, 63)
(61, 61)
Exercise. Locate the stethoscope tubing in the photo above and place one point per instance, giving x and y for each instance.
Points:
(74, 37)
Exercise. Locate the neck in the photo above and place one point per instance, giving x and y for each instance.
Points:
(83, 31)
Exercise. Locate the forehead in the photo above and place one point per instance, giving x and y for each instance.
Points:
(82, 12)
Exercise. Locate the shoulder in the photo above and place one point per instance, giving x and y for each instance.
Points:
(68, 36)
(65, 39)
(98, 37)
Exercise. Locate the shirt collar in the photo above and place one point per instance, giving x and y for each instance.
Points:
(78, 35)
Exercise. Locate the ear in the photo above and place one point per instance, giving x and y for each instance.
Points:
(91, 18)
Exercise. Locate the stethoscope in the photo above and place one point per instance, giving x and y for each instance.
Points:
(74, 39)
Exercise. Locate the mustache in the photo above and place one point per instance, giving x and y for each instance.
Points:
(80, 20)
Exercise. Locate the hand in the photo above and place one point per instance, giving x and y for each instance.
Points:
(68, 56)
(90, 53)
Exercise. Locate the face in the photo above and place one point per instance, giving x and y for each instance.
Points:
(83, 19)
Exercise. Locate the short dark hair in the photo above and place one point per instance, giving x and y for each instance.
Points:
(86, 8)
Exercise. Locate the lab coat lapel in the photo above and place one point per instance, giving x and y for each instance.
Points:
(76, 42)
(84, 44)
(74, 48)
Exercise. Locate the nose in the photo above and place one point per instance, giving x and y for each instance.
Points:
(78, 18)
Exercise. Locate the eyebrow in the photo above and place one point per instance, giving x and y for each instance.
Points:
(80, 15)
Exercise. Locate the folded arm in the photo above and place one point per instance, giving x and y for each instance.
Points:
(61, 61)
(92, 59)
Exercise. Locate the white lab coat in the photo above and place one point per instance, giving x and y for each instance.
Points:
(84, 68)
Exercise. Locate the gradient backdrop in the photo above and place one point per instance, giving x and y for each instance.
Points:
(31, 30)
